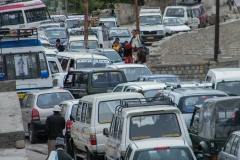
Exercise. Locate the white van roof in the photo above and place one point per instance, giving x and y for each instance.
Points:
(226, 74)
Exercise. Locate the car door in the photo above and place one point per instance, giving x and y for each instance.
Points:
(24, 113)
(75, 134)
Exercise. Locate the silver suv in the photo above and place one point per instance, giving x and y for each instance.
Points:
(36, 106)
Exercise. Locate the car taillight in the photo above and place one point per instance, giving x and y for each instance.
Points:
(234, 115)
(93, 139)
(35, 114)
(68, 125)
(161, 148)
(214, 158)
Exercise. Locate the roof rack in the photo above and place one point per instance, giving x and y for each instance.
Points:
(141, 102)
(18, 34)
(80, 31)
(52, 20)
(189, 84)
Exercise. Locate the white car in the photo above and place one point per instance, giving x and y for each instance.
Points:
(175, 25)
(159, 148)
(132, 71)
(58, 80)
(123, 86)
(54, 65)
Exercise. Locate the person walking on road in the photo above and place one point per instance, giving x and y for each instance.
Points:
(141, 55)
(135, 42)
(54, 127)
(128, 52)
(60, 148)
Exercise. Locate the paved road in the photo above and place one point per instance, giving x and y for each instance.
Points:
(36, 156)
(40, 147)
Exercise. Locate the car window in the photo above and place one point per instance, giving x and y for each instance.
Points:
(24, 101)
(234, 145)
(53, 67)
(118, 89)
(89, 114)
(153, 126)
(29, 100)
(79, 112)
(133, 73)
(133, 90)
(83, 115)
(228, 145)
(64, 110)
(128, 90)
(74, 111)
(49, 100)
(111, 132)
(68, 80)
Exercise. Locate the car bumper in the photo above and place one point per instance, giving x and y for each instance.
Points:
(38, 128)
(156, 37)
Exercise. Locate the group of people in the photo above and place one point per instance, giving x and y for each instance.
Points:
(133, 51)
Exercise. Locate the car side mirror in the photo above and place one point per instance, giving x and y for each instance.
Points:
(105, 132)
(199, 155)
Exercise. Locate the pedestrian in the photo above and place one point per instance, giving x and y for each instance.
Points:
(140, 37)
(141, 55)
(128, 52)
(54, 127)
(60, 148)
(116, 46)
(113, 14)
(59, 46)
(135, 42)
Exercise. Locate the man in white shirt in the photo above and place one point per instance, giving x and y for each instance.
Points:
(135, 42)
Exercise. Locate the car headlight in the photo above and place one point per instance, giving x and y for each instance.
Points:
(160, 32)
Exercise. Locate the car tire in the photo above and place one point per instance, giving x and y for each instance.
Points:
(32, 136)
(89, 155)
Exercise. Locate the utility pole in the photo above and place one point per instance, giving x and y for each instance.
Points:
(136, 13)
(216, 43)
(66, 8)
(86, 24)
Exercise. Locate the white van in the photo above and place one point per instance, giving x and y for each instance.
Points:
(54, 65)
(225, 79)
(94, 113)
(143, 121)
(183, 12)
(81, 60)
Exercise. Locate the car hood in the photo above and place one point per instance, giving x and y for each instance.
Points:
(53, 41)
(178, 28)
(151, 28)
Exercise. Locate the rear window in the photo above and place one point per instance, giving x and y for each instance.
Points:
(164, 153)
(186, 104)
(48, 100)
(153, 126)
(175, 12)
(64, 109)
(165, 79)
(152, 93)
(106, 79)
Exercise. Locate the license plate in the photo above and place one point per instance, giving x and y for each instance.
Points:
(150, 38)
(20, 96)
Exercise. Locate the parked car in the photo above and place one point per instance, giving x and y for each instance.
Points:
(201, 14)
(123, 86)
(69, 111)
(212, 124)
(36, 106)
(162, 78)
(225, 79)
(230, 151)
(159, 148)
(185, 98)
(93, 114)
(137, 121)
(132, 71)
(119, 32)
(175, 25)
(83, 82)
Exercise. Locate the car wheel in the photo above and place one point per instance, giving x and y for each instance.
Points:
(89, 155)
(32, 136)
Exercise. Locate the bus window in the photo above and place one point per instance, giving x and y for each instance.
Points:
(43, 66)
(36, 15)
(12, 18)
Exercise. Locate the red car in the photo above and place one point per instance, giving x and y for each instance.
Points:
(201, 13)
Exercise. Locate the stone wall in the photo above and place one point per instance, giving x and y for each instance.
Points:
(125, 13)
(193, 47)
(189, 72)
(160, 3)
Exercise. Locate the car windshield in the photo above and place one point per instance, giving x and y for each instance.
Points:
(186, 104)
(175, 12)
(108, 24)
(106, 79)
(80, 45)
(49, 100)
(150, 20)
(113, 56)
(132, 73)
(165, 79)
(92, 63)
(70, 23)
(173, 22)
(231, 88)
(53, 34)
(164, 153)
(151, 93)
(119, 33)
(153, 126)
